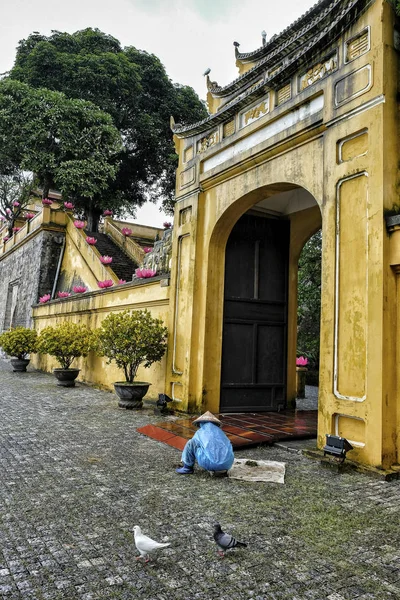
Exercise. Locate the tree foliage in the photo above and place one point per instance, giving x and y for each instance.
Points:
(129, 84)
(15, 194)
(309, 300)
(19, 342)
(132, 339)
(66, 342)
(69, 144)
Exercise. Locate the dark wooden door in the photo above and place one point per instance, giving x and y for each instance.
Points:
(253, 369)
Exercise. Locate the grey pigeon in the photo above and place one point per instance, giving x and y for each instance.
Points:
(145, 545)
(225, 541)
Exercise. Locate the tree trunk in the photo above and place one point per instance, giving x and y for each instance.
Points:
(93, 215)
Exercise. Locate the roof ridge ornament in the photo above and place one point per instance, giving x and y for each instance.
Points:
(264, 37)
(210, 84)
(236, 44)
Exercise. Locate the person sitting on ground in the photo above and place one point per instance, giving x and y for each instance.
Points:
(209, 446)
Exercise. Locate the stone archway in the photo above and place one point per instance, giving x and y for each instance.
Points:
(314, 120)
(284, 206)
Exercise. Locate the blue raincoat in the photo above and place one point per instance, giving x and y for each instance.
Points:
(210, 448)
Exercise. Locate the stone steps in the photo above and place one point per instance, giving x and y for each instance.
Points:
(122, 265)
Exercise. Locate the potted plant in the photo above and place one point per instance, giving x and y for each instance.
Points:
(131, 339)
(66, 342)
(19, 342)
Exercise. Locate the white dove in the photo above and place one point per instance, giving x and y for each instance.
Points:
(145, 545)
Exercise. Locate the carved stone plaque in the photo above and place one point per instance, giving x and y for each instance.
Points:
(254, 113)
(207, 142)
(317, 72)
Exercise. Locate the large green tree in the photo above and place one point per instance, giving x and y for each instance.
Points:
(133, 87)
(69, 144)
(309, 300)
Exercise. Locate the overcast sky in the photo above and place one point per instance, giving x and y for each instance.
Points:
(188, 36)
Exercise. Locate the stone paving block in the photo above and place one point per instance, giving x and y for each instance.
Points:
(76, 477)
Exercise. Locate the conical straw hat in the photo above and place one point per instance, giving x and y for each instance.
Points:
(207, 417)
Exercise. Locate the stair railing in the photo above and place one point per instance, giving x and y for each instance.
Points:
(129, 246)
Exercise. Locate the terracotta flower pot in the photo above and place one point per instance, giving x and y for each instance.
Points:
(131, 394)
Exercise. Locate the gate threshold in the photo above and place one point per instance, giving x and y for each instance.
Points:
(245, 430)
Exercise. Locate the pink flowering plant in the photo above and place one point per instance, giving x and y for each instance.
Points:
(107, 212)
(167, 225)
(121, 281)
(106, 260)
(145, 273)
(47, 202)
(105, 284)
(147, 249)
(29, 216)
(301, 361)
(79, 289)
(79, 224)
(68, 206)
(16, 229)
(63, 294)
(44, 299)
(91, 240)
(126, 231)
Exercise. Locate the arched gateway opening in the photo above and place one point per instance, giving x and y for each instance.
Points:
(260, 299)
(306, 114)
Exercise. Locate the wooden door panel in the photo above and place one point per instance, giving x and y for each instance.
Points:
(253, 370)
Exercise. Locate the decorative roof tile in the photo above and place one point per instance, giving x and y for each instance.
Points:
(297, 43)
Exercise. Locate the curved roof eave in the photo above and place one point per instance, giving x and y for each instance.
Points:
(325, 37)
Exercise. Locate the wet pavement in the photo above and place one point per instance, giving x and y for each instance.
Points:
(76, 476)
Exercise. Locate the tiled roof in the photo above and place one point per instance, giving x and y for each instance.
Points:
(320, 26)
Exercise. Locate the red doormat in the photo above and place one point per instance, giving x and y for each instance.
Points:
(243, 429)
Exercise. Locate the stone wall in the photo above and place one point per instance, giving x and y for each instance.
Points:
(159, 258)
(27, 273)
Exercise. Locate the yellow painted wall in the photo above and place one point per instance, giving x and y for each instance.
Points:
(345, 153)
(90, 309)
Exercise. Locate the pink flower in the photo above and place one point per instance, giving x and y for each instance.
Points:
(47, 202)
(15, 229)
(44, 298)
(8, 211)
(167, 225)
(5, 238)
(126, 231)
(105, 284)
(79, 224)
(301, 361)
(121, 281)
(146, 249)
(68, 205)
(107, 213)
(79, 289)
(29, 216)
(145, 273)
(106, 260)
(91, 240)
(63, 294)
(2, 218)
(16, 203)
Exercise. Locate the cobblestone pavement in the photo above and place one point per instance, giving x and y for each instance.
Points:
(76, 477)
